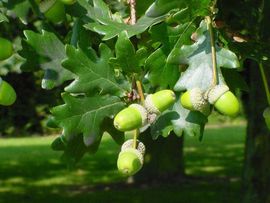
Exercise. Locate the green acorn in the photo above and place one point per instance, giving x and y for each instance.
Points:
(129, 161)
(130, 118)
(159, 101)
(266, 115)
(68, 2)
(7, 93)
(223, 100)
(6, 49)
(54, 10)
(193, 100)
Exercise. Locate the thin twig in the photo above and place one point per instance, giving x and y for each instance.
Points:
(265, 83)
(132, 4)
(140, 91)
(213, 50)
(135, 137)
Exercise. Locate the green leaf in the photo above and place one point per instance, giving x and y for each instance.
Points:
(127, 58)
(118, 136)
(196, 8)
(74, 147)
(45, 51)
(234, 80)
(161, 73)
(19, 8)
(190, 123)
(198, 57)
(84, 115)
(179, 120)
(3, 18)
(163, 126)
(110, 26)
(93, 74)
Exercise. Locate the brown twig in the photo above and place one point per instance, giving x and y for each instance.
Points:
(140, 90)
(132, 4)
(213, 50)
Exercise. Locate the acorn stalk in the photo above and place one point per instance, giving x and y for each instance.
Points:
(266, 115)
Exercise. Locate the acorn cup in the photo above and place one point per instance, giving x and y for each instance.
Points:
(266, 115)
(7, 93)
(193, 100)
(223, 100)
(159, 101)
(130, 118)
(130, 160)
(129, 144)
(54, 10)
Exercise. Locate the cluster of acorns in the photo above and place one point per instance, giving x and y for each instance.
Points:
(130, 159)
(219, 96)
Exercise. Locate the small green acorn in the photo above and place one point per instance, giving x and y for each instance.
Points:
(6, 49)
(193, 100)
(54, 10)
(68, 2)
(7, 93)
(159, 101)
(223, 100)
(129, 161)
(266, 115)
(130, 118)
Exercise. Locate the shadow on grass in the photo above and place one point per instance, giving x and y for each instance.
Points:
(32, 172)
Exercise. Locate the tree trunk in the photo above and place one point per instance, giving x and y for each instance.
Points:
(163, 159)
(256, 177)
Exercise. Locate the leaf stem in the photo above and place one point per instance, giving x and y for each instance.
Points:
(213, 50)
(135, 137)
(132, 4)
(140, 90)
(265, 83)
(36, 9)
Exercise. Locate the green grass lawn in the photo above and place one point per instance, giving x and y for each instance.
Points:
(31, 172)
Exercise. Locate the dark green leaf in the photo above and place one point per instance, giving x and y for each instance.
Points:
(93, 74)
(45, 51)
(234, 80)
(3, 18)
(118, 136)
(19, 9)
(111, 25)
(127, 58)
(163, 126)
(196, 8)
(84, 115)
(161, 73)
(59, 144)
